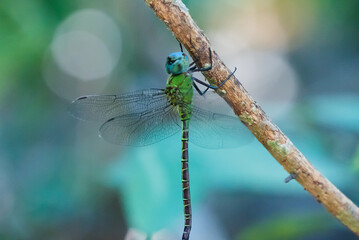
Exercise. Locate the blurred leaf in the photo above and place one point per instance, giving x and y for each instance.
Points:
(286, 227)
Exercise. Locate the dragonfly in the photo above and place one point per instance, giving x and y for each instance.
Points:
(144, 117)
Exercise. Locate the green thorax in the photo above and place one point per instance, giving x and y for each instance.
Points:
(180, 92)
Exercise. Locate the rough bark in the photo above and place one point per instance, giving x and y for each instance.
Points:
(177, 18)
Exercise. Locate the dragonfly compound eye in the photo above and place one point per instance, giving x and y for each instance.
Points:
(170, 61)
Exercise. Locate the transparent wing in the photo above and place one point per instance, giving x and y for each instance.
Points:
(143, 128)
(144, 117)
(105, 107)
(213, 130)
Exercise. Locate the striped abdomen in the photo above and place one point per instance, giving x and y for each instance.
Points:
(185, 182)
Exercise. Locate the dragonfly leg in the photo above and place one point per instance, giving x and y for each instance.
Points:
(180, 45)
(199, 90)
(229, 76)
(208, 85)
(195, 69)
(194, 61)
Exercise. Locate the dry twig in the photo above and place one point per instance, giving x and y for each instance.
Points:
(177, 18)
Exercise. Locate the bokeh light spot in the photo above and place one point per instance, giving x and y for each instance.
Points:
(82, 55)
(85, 50)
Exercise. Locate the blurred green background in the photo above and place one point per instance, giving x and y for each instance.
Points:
(58, 180)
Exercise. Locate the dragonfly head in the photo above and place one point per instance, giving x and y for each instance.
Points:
(177, 63)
